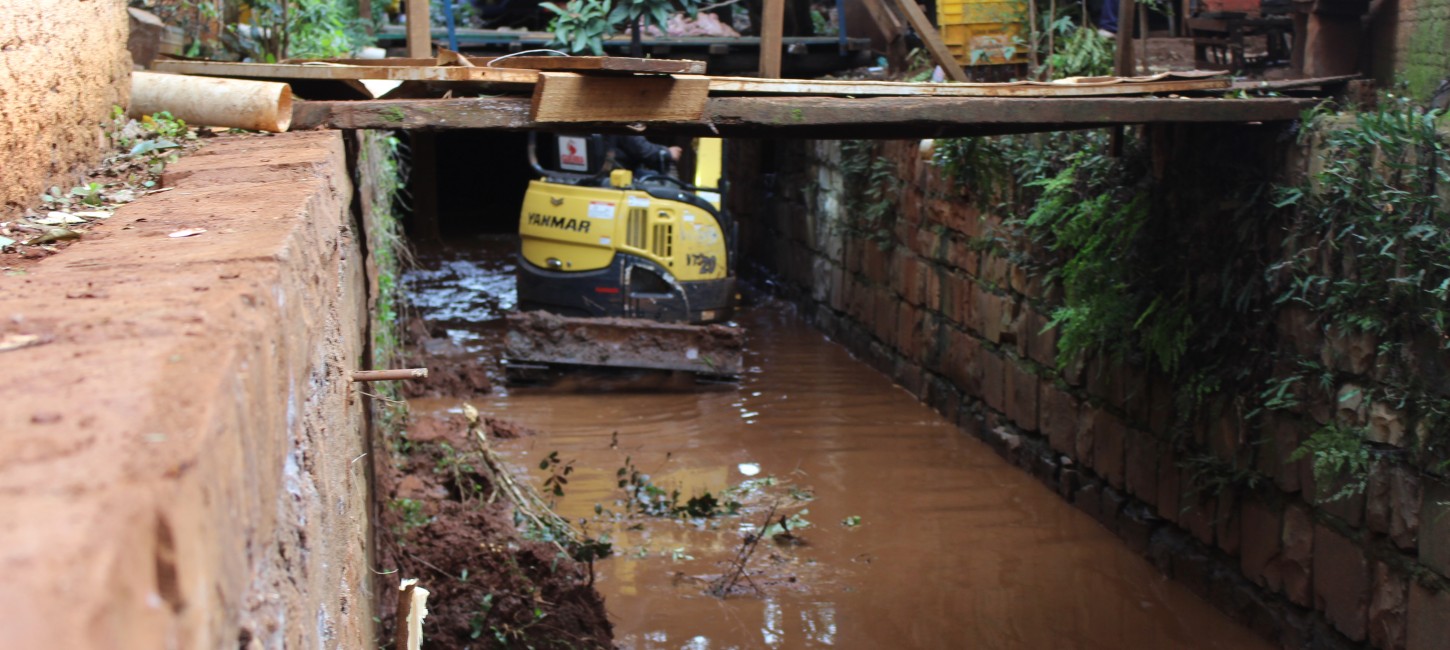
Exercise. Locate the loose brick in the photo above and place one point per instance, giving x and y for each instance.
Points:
(1341, 582)
(1021, 396)
(1058, 417)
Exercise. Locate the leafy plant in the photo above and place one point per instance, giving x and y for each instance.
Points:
(1340, 460)
(580, 26)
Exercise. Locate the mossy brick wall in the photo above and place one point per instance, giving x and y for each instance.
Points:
(1410, 41)
(964, 329)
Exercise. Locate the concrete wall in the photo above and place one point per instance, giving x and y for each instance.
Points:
(178, 468)
(962, 328)
(63, 65)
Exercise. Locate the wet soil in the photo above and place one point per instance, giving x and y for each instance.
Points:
(918, 537)
(444, 523)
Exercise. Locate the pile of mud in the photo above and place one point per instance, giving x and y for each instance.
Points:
(442, 522)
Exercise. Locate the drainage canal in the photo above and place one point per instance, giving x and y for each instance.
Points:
(917, 536)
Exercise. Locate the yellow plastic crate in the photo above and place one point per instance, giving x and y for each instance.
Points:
(991, 28)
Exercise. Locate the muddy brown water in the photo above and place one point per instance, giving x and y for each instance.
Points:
(955, 548)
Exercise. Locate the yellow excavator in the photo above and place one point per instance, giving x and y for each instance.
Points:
(623, 269)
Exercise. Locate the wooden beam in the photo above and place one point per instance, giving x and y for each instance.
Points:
(286, 71)
(820, 117)
(934, 44)
(570, 97)
(1166, 84)
(420, 27)
(620, 64)
(772, 29)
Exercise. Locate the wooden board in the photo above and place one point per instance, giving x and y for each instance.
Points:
(752, 86)
(286, 71)
(570, 97)
(598, 64)
(932, 40)
(820, 117)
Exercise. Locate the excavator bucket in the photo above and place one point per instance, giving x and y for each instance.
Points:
(538, 342)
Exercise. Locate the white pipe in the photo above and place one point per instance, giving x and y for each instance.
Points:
(208, 101)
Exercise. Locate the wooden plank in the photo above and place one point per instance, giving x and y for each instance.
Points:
(599, 64)
(821, 117)
(284, 71)
(886, 21)
(570, 97)
(932, 40)
(772, 28)
(749, 85)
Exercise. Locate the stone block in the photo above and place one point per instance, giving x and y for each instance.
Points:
(961, 363)
(1086, 437)
(908, 332)
(1428, 618)
(960, 254)
(1352, 352)
(1298, 326)
(1261, 541)
(1058, 417)
(1282, 433)
(995, 271)
(1341, 582)
(1387, 605)
(1109, 436)
(1196, 512)
(1162, 395)
(990, 307)
(1405, 505)
(1297, 566)
(931, 289)
(1435, 526)
(1168, 481)
(1143, 453)
(1021, 395)
(1041, 341)
(1228, 528)
(994, 383)
(1387, 425)
(1351, 407)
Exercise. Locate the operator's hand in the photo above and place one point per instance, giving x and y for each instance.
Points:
(675, 153)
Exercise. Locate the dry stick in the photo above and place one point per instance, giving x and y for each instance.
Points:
(386, 375)
(727, 582)
(525, 499)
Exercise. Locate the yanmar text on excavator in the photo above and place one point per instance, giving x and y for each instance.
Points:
(621, 269)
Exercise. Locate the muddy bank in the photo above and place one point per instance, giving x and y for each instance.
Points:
(444, 521)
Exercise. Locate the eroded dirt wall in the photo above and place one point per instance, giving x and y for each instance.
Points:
(180, 465)
(925, 299)
(63, 65)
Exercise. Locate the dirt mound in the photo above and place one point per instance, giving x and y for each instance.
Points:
(491, 588)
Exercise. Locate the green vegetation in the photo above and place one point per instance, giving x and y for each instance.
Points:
(582, 25)
(381, 177)
(1183, 269)
(265, 30)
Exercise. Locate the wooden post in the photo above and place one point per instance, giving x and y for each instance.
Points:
(1126, 17)
(772, 28)
(1143, 36)
(933, 40)
(420, 28)
(1032, 34)
(365, 12)
(412, 609)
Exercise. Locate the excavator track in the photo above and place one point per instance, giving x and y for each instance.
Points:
(539, 342)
